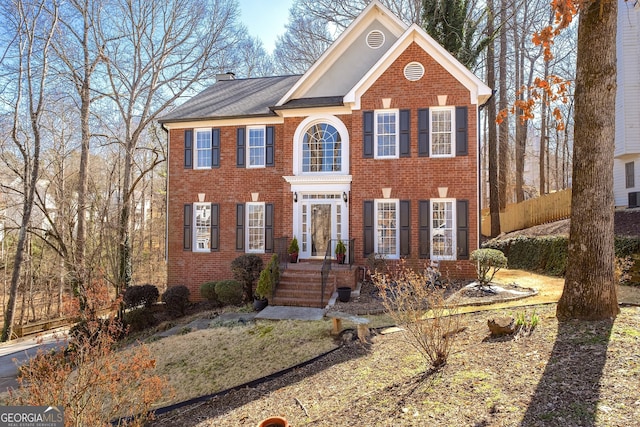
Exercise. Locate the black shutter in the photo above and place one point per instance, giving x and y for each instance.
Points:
(367, 131)
(270, 138)
(462, 232)
(423, 132)
(240, 147)
(424, 230)
(405, 227)
(215, 148)
(186, 236)
(268, 227)
(462, 130)
(240, 227)
(369, 229)
(405, 133)
(188, 149)
(215, 227)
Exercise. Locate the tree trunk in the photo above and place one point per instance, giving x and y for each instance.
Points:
(503, 128)
(590, 289)
(520, 135)
(494, 201)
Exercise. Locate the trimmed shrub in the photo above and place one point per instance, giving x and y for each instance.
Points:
(265, 284)
(146, 295)
(246, 270)
(176, 300)
(488, 263)
(229, 292)
(208, 292)
(139, 319)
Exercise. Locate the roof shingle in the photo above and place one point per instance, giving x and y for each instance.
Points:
(234, 98)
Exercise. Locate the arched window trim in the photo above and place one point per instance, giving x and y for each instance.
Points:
(299, 137)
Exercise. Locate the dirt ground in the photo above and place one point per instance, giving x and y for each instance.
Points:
(568, 374)
(562, 374)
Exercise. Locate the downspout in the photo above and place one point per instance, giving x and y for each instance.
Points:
(479, 160)
(166, 201)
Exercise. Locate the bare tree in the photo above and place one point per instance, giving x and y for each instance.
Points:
(163, 50)
(494, 198)
(34, 29)
(503, 128)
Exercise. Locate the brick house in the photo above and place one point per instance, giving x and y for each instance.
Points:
(375, 145)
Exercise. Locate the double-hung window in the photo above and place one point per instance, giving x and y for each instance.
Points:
(629, 175)
(386, 134)
(203, 148)
(202, 225)
(255, 227)
(443, 228)
(256, 144)
(387, 230)
(442, 131)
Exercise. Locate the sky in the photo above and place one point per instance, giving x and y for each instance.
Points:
(265, 19)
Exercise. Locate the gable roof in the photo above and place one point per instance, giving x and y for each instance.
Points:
(339, 77)
(374, 13)
(233, 98)
(478, 90)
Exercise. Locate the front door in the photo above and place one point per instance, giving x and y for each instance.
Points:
(321, 220)
(320, 230)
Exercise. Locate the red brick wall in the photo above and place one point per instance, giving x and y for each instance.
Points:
(415, 178)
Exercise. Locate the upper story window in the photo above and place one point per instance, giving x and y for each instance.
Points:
(321, 146)
(203, 148)
(386, 134)
(256, 144)
(321, 149)
(442, 126)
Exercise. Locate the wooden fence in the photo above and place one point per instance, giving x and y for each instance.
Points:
(548, 208)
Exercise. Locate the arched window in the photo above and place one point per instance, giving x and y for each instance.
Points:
(321, 149)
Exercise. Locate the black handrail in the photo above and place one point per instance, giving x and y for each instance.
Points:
(281, 247)
(324, 272)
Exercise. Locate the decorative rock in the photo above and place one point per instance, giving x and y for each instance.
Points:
(501, 326)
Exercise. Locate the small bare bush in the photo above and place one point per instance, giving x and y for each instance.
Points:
(418, 305)
(92, 381)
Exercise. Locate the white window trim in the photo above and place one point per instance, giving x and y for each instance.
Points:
(396, 112)
(264, 146)
(454, 237)
(196, 150)
(246, 231)
(452, 109)
(195, 228)
(396, 255)
(299, 136)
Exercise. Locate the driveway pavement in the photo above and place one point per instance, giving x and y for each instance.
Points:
(18, 352)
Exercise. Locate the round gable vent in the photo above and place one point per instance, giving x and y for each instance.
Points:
(413, 71)
(375, 39)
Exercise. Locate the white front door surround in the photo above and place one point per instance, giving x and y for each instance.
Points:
(320, 212)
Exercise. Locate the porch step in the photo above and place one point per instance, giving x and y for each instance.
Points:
(301, 285)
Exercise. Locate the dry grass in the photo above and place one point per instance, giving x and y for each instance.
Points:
(211, 360)
(569, 374)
